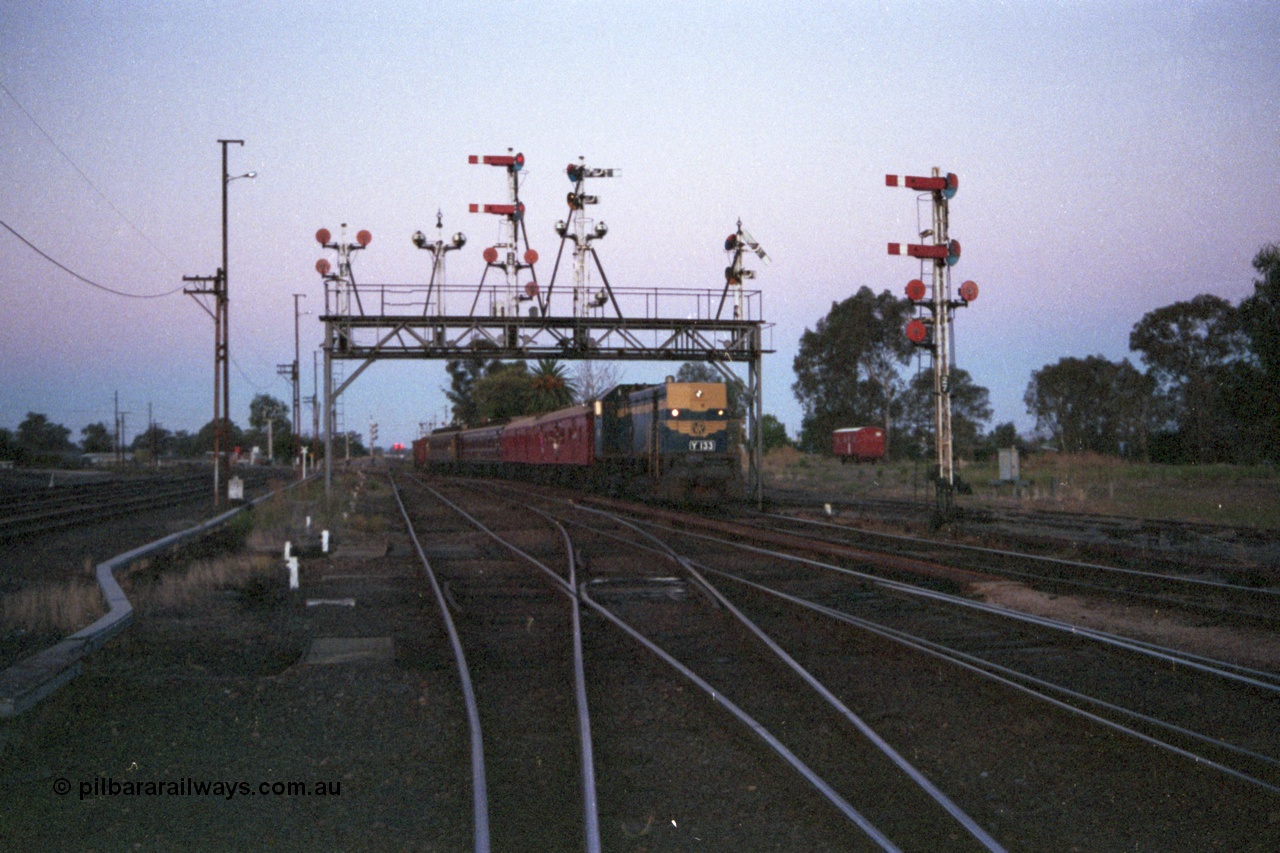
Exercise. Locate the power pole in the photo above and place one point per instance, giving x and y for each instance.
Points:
(221, 324)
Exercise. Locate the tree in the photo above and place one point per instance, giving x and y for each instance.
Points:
(232, 437)
(847, 366)
(1092, 404)
(1260, 313)
(1188, 348)
(463, 375)
(551, 389)
(266, 410)
(593, 378)
(504, 392)
(773, 433)
(97, 439)
(1254, 391)
(970, 409)
(155, 439)
(37, 435)
(183, 444)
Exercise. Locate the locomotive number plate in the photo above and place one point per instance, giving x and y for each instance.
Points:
(695, 446)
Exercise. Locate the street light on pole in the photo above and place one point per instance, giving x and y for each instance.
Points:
(222, 320)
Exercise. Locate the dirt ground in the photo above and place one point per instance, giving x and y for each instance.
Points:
(1245, 646)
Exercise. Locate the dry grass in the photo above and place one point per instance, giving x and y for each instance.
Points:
(66, 608)
(174, 590)
(1083, 482)
(54, 608)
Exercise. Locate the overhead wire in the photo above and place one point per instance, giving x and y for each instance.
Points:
(85, 177)
(33, 247)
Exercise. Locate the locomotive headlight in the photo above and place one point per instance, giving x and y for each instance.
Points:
(720, 412)
(675, 413)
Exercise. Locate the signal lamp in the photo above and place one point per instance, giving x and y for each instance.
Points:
(364, 238)
(323, 236)
(917, 332)
(915, 290)
(491, 255)
(322, 266)
(969, 291)
(530, 257)
(731, 242)
(601, 230)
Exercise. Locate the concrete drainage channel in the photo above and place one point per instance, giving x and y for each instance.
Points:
(32, 679)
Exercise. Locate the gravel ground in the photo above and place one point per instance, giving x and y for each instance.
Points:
(219, 693)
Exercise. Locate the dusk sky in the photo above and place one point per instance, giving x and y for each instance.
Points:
(1113, 158)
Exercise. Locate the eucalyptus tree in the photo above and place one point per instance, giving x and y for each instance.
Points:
(1189, 349)
(847, 368)
(1093, 404)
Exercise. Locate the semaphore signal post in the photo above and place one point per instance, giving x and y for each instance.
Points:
(930, 329)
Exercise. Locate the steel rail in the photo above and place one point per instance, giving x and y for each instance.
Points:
(750, 722)
(1139, 573)
(771, 740)
(936, 794)
(479, 783)
(591, 818)
(1256, 678)
(63, 517)
(1010, 677)
(977, 664)
(590, 804)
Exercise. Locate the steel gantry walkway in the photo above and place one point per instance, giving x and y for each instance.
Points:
(658, 324)
(502, 317)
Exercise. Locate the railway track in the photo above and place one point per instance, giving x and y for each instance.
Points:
(877, 714)
(1146, 542)
(39, 512)
(1229, 594)
(626, 590)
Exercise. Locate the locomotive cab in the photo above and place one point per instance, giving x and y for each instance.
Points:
(674, 435)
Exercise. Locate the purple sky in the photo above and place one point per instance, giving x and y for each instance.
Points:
(1113, 158)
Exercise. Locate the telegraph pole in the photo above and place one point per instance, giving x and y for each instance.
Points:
(221, 347)
(224, 351)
